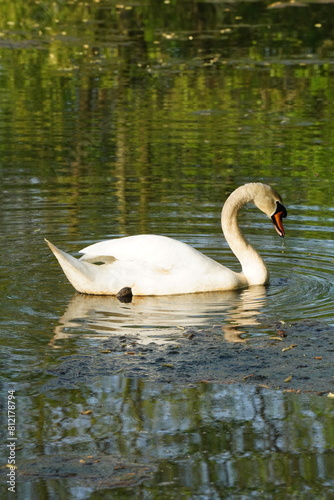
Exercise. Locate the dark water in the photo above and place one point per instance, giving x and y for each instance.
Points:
(136, 118)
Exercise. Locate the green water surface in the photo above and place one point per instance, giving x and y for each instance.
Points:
(141, 117)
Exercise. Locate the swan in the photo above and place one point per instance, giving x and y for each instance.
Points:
(149, 264)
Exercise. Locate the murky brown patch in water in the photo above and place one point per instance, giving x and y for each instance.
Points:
(102, 471)
(296, 357)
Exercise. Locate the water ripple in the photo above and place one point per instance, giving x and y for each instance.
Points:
(308, 290)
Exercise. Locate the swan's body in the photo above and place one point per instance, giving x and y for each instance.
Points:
(157, 265)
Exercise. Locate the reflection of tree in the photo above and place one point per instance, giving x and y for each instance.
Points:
(204, 437)
(123, 118)
(121, 109)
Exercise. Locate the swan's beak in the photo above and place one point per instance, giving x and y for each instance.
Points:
(277, 218)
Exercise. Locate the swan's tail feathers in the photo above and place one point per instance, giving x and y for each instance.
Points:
(79, 273)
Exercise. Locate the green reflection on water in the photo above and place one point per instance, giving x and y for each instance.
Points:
(209, 439)
(76, 108)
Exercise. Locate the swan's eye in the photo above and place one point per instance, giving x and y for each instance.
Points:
(281, 209)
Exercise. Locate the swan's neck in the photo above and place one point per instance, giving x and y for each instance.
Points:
(253, 266)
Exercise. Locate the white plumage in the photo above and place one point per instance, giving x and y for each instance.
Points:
(158, 265)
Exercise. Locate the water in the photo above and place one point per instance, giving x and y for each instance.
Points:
(112, 126)
(211, 440)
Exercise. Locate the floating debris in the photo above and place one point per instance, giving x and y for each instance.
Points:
(288, 348)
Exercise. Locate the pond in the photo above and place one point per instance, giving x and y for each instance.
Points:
(142, 117)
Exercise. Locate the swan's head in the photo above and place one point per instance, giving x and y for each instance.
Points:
(270, 202)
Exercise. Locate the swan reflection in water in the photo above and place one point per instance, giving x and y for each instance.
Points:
(162, 319)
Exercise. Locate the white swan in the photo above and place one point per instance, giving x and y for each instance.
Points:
(157, 265)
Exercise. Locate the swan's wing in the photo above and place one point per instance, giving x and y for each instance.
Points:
(149, 265)
(157, 265)
(152, 251)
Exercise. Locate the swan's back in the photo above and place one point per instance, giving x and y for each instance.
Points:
(158, 251)
(158, 265)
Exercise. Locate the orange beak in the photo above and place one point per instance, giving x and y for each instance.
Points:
(277, 219)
